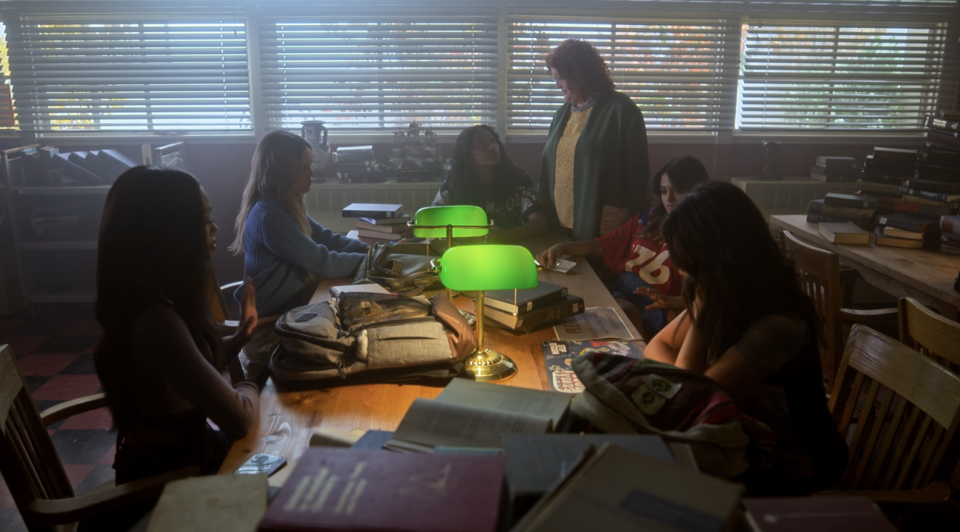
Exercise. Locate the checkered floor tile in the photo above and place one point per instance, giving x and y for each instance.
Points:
(54, 356)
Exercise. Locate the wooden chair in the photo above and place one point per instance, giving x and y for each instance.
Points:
(930, 333)
(820, 277)
(32, 470)
(904, 444)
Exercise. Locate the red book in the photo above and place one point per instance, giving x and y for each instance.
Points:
(345, 489)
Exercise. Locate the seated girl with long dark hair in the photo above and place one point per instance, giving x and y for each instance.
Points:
(484, 175)
(647, 284)
(750, 327)
(160, 358)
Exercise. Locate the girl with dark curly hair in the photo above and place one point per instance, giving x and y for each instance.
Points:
(594, 169)
(484, 175)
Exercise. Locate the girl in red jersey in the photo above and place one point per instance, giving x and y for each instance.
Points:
(647, 284)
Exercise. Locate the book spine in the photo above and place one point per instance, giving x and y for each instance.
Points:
(915, 226)
(849, 202)
(933, 186)
(368, 214)
(926, 194)
(529, 306)
(921, 209)
(819, 218)
(941, 124)
(950, 224)
(549, 314)
(926, 201)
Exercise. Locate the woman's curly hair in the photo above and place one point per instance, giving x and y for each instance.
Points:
(463, 183)
(579, 63)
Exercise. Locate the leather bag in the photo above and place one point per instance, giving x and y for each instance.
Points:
(404, 269)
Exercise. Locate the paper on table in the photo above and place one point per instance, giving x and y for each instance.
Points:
(595, 323)
(226, 502)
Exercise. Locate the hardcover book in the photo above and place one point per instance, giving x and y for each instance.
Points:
(349, 154)
(379, 235)
(363, 224)
(334, 489)
(519, 302)
(846, 233)
(896, 154)
(878, 187)
(920, 209)
(213, 502)
(849, 200)
(950, 224)
(900, 233)
(930, 195)
(906, 222)
(524, 323)
(822, 514)
(372, 210)
(896, 242)
(474, 414)
(847, 213)
(397, 220)
(537, 461)
(927, 201)
(558, 358)
(830, 162)
(618, 489)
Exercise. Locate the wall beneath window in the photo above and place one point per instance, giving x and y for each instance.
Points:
(223, 169)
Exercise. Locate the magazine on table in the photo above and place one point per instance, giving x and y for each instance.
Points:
(558, 360)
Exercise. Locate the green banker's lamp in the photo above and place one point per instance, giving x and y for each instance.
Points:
(451, 221)
(488, 267)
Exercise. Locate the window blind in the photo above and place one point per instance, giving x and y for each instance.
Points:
(680, 73)
(379, 71)
(131, 72)
(842, 77)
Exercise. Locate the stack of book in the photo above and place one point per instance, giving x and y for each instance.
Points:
(950, 233)
(831, 169)
(842, 208)
(889, 166)
(525, 310)
(357, 164)
(906, 231)
(377, 222)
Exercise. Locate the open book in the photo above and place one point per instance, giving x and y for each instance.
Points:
(474, 414)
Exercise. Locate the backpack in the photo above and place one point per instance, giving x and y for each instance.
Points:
(628, 396)
(364, 337)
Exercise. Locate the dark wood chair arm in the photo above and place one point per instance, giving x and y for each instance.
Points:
(59, 511)
(936, 492)
(71, 408)
(868, 317)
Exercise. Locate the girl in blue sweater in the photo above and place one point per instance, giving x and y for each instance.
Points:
(286, 252)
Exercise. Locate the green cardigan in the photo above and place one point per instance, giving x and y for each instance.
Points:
(610, 165)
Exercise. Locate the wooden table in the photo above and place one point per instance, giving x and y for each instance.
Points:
(927, 276)
(288, 418)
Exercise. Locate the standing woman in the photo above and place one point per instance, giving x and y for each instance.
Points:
(594, 171)
(750, 327)
(160, 358)
(286, 252)
(484, 175)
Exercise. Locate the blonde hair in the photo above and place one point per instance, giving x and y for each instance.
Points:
(273, 173)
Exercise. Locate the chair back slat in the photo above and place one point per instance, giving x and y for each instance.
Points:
(916, 444)
(866, 424)
(819, 272)
(930, 333)
(28, 460)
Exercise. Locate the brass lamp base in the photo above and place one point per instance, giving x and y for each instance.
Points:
(488, 366)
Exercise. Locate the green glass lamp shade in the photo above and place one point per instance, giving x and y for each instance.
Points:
(488, 267)
(456, 215)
